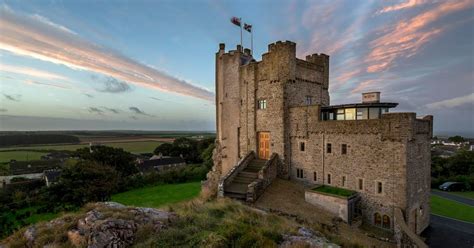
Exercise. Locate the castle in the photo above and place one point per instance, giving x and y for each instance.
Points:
(274, 119)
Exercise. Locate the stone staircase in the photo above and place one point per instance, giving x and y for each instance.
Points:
(237, 188)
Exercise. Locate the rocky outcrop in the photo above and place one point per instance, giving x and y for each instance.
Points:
(108, 224)
(306, 238)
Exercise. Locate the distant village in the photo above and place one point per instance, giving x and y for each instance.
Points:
(47, 170)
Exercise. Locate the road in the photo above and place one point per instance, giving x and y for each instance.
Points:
(445, 232)
(453, 197)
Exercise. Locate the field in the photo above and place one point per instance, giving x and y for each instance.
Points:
(19, 155)
(158, 196)
(452, 209)
(33, 152)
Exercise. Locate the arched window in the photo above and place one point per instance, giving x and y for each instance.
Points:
(386, 222)
(377, 219)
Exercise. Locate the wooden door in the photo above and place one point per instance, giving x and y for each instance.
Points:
(264, 145)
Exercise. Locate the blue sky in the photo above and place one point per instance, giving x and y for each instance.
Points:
(150, 64)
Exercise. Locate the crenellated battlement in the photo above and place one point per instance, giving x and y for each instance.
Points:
(281, 45)
(319, 59)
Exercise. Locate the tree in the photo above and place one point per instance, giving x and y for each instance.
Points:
(165, 149)
(456, 139)
(123, 162)
(83, 182)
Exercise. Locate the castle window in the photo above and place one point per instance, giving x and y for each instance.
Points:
(386, 222)
(328, 148)
(329, 178)
(379, 188)
(299, 173)
(262, 104)
(361, 184)
(309, 100)
(377, 219)
(302, 146)
(343, 181)
(315, 176)
(343, 149)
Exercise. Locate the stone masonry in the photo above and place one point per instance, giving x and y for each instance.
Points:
(386, 160)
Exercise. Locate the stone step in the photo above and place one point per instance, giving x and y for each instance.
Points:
(246, 180)
(240, 188)
(252, 170)
(248, 174)
(235, 195)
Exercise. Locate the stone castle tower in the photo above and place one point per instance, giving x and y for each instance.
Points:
(274, 119)
(280, 78)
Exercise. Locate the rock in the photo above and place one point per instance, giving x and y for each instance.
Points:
(113, 205)
(306, 238)
(30, 235)
(76, 238)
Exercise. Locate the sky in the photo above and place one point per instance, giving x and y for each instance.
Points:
(150, 65)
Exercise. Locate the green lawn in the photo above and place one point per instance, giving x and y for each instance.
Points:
(452, 209)
(334, 191)
(20, 155)
(157, 196)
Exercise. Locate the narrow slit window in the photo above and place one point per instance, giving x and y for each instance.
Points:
(315, 176)
(344, 149)
(379, 188)
(302, 146)
(343, 181)
(361, 184)
(328, 148)
(329, 178)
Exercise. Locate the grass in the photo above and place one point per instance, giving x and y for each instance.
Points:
(20, 155)
(452, 209)
(220, 223)
(34, 152)
(159, 195)
(334, 191)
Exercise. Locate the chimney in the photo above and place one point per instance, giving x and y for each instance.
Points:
(371, 97)
(222, 46)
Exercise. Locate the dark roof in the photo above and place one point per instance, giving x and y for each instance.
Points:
(152, 163)
(52, 175)
(33, 166)
(362, 105)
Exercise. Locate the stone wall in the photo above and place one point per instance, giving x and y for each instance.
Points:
(377, 151)
(339, 206)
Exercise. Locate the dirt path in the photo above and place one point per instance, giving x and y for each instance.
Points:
(288, 198)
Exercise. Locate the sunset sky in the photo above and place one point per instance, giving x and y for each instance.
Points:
(149, 65)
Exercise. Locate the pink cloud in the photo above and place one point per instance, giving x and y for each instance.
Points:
(41, 39)
(404, 5)
(405, 38)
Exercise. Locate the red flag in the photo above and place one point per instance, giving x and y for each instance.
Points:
(235, 21)
(248, 27)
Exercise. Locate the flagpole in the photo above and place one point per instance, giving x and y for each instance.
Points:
(241, 23)
(251, 42)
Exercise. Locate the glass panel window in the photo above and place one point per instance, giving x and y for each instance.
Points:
(331, 116)
(377, 219)
(374, 113)
(340, 115)
(309, 100)
(350, 113)
(362, 114)
(262, 104)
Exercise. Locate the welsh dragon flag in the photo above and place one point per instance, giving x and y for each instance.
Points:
(236, 21)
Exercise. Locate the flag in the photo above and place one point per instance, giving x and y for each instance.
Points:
(235, 21)
(248, 27)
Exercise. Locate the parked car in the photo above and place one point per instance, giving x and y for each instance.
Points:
(452, 186)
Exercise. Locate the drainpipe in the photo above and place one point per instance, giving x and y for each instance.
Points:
(324, 145)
